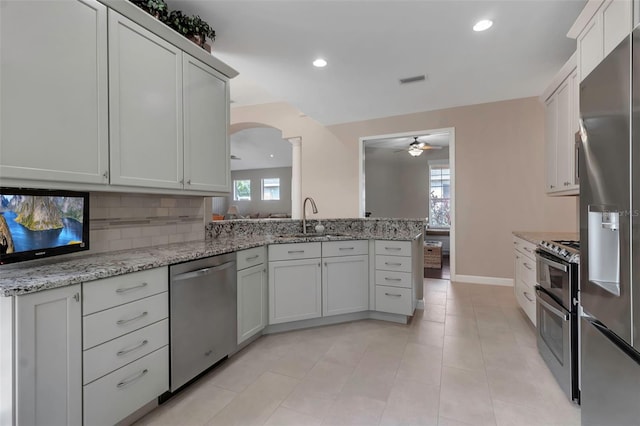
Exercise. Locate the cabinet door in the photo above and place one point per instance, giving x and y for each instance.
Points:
(206, 121)
(54, 108)
(345, 285)
(551, 113)
(252, 301)
(616, 23)
(49, 357)
(295, 290)
(564, 139)
(145, 100)
(590, 46)
(574, 127)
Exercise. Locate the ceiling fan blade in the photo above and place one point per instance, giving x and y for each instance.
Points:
(426, 147)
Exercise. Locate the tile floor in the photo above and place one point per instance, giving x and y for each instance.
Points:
(469, 358)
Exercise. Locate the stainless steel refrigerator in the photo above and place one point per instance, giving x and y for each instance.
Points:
(609, 167)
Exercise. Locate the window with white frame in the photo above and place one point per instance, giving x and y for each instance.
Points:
(439, 195)
(242, 190)
(271, 189)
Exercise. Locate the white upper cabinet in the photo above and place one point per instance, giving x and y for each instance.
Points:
(206, 121)
(54, 106)
(561, 123)
(600, 27)
(145, 99)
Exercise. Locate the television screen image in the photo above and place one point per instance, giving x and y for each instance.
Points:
(37, 223)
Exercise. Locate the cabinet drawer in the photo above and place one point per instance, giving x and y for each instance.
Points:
(251, 257)
(109, 292)
(393, 263)
(394, 300)
(394, 279)
(528, 271)
(525, 247)
(115, 396)
(112, 355)
(345, 248)
(393, 248)
(527, 300)
(294, 251)
(106, 325)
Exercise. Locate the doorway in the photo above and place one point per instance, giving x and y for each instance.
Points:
(412, 175)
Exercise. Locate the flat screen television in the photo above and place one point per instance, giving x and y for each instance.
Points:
(37, 223)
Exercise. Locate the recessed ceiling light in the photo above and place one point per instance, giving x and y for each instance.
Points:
(319, 63)
(271, 155)
(483, 25)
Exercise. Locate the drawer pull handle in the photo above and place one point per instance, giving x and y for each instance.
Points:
(392, 264)
(528, 249)
(130, 380)
(295, 251)
(527, 296)
(127, 289)
(138, 346)
(526, 265)
(346, 248)
(392, 279)
(253, 257)
(393, 248)
(393, 294)
(142, 315)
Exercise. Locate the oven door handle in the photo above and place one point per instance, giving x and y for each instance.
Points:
(551, 263)
(557, 312)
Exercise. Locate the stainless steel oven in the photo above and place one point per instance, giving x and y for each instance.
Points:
(555, 334)
(557, 312)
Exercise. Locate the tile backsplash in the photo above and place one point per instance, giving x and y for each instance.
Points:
(126, 221)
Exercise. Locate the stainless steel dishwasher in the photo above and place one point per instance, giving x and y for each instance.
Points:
(203, 317)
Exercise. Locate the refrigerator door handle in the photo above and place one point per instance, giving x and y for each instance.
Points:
(613, 338)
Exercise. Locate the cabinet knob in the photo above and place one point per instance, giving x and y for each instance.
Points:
(181, 181)
(76, 297)
(189, 182)
(106, 175)
(552, 186)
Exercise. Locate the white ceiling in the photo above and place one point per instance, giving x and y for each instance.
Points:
(403, 142)
(256, 146)
(371, 44)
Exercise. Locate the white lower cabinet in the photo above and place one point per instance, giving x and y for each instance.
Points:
(394, 272)
(525, 276)
(345, 285)
(295, 290)
(126, 337)
(252, 293)
(48, 358)
(120, 393)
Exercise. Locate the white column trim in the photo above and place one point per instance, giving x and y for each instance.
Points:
(296, 177)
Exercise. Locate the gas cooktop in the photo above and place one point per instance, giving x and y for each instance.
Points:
(567, 250)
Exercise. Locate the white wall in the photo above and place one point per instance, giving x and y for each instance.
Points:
(257, 205)
(396, 184)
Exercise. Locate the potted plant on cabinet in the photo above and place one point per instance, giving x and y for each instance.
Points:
(155, 8)
(192, 27)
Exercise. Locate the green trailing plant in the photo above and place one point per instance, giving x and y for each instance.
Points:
(180, 22)
(201, 28)
(157, 8)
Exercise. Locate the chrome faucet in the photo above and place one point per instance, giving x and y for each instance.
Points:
(304, 212)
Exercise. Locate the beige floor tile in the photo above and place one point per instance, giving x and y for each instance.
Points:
(421, 363)
(354, 411)
(330, 371)
(460, 308)
(237, 375)
(462, 352)
(434, 313)
(435, 298)
(444, 421)
(285, 417)
(509, 414)
(194, 406)
(294, 364)
(465, 397)
(515, 386)
(503, 354)
(426, 333)
(346, 352)
(313, 397)
(461, 326)
(411, 403)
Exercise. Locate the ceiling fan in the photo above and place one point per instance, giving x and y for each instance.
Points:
(417, 147)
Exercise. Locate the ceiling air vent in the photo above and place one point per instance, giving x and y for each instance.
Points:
(414, 79)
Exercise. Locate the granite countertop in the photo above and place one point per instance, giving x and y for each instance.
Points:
(537, 237)
(21, 278)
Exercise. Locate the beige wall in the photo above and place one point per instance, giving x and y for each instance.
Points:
(499, 165)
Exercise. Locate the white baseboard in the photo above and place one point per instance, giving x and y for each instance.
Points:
(476, 279)
(420, 304)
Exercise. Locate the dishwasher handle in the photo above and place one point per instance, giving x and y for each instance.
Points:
(202, 272)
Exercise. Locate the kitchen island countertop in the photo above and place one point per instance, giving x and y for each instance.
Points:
(24, 278)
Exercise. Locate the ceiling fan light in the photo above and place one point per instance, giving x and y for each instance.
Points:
(414, 152)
